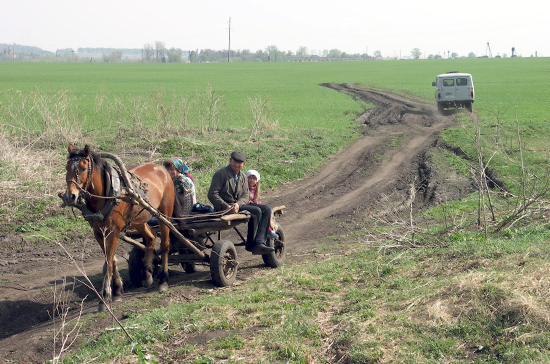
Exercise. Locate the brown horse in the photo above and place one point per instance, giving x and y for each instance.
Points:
(88, 179)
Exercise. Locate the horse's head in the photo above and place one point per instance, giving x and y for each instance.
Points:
(80, 165)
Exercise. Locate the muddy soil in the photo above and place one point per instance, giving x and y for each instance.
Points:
(372, 174)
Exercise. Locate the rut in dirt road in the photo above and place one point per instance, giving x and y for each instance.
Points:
(398, 131)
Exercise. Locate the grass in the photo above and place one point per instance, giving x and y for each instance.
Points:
(454, 296)
(457, 304)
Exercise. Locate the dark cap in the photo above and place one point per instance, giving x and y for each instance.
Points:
(238, 156)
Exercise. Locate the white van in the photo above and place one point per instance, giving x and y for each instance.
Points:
(454, 89)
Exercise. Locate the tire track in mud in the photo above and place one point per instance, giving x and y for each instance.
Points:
(354, 181)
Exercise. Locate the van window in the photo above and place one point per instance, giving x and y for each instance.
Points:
(448, 82)
(463, 81)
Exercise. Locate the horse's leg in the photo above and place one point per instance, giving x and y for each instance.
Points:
(106, 288)
(118, 290)
(108, 242)
(165, 246)
(149, 239)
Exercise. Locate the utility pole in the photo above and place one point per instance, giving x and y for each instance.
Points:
(488, 51)
(229, 47)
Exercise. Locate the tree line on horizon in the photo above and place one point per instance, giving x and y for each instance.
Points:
(157, 52)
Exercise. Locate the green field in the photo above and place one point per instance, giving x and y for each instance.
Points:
(105, 101)
(293, 87)
(459, 294)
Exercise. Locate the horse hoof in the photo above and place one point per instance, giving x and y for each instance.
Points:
(101, 307)
(163, 287)
(117, 298)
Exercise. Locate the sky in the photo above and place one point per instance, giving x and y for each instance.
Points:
(393, 27)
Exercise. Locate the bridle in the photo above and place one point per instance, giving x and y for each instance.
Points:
(76, 161)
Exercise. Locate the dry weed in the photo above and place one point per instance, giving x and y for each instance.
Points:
(27, 175)
(41, 118)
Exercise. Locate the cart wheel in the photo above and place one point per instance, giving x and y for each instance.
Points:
(135, 267)
(223, 263)
(189, 267)
(277, 258)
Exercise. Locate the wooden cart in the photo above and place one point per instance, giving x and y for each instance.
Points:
(204, 233)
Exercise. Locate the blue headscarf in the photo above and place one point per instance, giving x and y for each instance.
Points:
(180, 166)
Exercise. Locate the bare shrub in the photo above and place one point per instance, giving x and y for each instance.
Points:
(262, 114)
(65, 328)
(534, 183)
(209, 107)
(88, 283)
(172, 115)
(405, 231)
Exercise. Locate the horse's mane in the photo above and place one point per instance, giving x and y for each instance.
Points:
(98, 161)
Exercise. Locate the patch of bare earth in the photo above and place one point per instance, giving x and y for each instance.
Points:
(372, 174)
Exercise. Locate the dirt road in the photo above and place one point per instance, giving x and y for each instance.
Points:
(375, 171)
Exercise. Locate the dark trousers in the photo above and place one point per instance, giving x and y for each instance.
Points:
(258, 225)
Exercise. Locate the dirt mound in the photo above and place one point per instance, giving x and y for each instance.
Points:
(398, 135)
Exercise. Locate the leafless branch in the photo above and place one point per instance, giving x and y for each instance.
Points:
(91, 286)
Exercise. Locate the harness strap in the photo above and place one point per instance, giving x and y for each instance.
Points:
(109, 205)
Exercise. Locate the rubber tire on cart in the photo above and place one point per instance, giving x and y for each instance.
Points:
(277, 258)
(189, 267)
(135, 267)
(223, 263)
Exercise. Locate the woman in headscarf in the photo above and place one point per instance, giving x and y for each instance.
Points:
(184, 185)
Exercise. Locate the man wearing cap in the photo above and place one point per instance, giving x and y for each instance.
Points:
(229, 191)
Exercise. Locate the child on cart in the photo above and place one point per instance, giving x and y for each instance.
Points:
(253, 178)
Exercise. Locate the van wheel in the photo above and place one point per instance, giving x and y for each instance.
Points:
(440, 108)
(469, 106)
